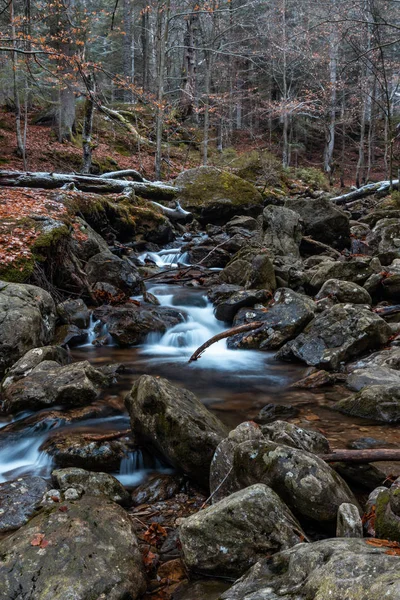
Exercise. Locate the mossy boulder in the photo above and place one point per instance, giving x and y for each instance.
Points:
(251, 268)
(377, 402)
(79, 550)
(215, 196)
(387, 513)
(176, 424)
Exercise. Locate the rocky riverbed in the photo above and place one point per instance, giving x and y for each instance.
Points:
(127, 472)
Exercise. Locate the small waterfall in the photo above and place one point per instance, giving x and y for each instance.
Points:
(172, 257)
(95, 330)
(21, 456)
(136, 466)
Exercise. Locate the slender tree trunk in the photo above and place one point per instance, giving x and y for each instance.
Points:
(128, 50)
(206, 126)
(87, 145)
(188, 69)
(330, 138)
(17, 104)
(162, 37)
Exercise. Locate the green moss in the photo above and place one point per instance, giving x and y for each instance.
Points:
(310, 176)
(19, 271)
(387, 524)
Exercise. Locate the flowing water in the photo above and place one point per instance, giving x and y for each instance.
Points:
(235, 384)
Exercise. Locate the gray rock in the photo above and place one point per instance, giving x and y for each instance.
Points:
(323, 221)
(337, 335)
(285, 318)
(377, 402)
(118, 272)
(220, 293)
(251, 268)
(242, 222)
(288, 434)
(302, 480)
(92, 484)
(222, 477)
(157, 488)
(383, 366)
(226, 310)
(49, 383)
(349, 524)
(27, 320)
(129, 325)
(70, 335)
(332, 569)
(387, 513)
(25, 365)
(74, 312)
(20, 500)
(384, 240)
(357, 270)
(176, 423)
(230, 536)
(87, 550)
(344, 291)
(283, 231)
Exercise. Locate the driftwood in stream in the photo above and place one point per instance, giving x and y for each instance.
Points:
(362, 456)
(381, 189)
(223, 335)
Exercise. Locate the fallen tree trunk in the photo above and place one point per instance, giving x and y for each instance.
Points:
(136, 176)
(362, 456)
(382, 188)
(86, 183)
(387, 310)
(225, 334)
(120, 118)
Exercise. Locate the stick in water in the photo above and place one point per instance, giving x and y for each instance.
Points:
(223, 335)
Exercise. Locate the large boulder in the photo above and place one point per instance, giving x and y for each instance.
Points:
(129, 324)
(323, 221)
(387, 513)
(334, 569)
(118, 272)
(285, 318)
(25, 365)
(230, 536)
(74, 312)
(27, 320)
(226, 310)
(283, 231)
(215, 196)
(377, 402)
(302, 480)
(79, 550)
(288, 434)
(50, 383)
(251, 268)
(176, 424)
(337, 335)
(384, 240)
(375, 369)
(20, 500)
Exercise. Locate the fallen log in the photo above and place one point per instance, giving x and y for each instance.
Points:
(385, 311)
(225, 334)
(85, 183)
(362, 456)
(136, 176)
(382, 188)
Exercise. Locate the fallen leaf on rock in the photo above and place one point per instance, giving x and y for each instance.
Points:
(377, 543)
(38, 540)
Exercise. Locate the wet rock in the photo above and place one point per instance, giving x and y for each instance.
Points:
(383, 366)
(251, 268)
(157, 488)
(273, 412)
(365, 476)
(337, 335)
(220, 293)
(358, 270)
(323, 221)
(129, 325)
(222, 479)
(79, 450)
(86, 550)
(334, 569)
(74, 312)
(368, 443)
(215, 196)
(344, 291)
(230, 536)
(376, 402)
(92, 484)
(20, 500)
(49, 384)
(118, 272)
(315, 379)
(302, 480)
(25, 365)
(27, 320)
(349, 524)
(288, 434)
(285, 318)
(91, 242)
(226, 310)
(283, 231)
(176, 423)
(209, 256)
(69, 336)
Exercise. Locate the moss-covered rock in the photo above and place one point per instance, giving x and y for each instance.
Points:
(377, 402)
(251, 268)
(215, 196)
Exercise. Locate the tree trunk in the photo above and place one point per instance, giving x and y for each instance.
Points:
(330, 138)
(87, 145)
(162, 37)
(128, 50)
(188, 69)
(17, 103)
